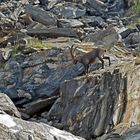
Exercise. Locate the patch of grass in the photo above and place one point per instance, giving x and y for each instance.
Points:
(39, 44)
(119, 52)
(134, 13)
(15, 51)
(32, 43)
(136, 8)
(2, 64)
(131, 26)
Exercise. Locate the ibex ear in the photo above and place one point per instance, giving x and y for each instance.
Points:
(104, 49)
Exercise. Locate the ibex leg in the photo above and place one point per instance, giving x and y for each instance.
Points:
(101, 61)
(108, 58)
(86, 68)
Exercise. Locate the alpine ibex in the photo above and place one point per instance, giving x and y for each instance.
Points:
(90, 57)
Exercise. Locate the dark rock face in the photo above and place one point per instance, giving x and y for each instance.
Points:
(88, 104)
(53, 33)
(127, 32)
(98, 5)
(37, 75)
(40, 15)
(91, 107)
(132, 41)
(94, 21)
(118, 5)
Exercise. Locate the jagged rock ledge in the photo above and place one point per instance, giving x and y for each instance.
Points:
(90, 107)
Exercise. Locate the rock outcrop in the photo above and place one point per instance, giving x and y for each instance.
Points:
(94, 105)
(8, 106)
(13, 128)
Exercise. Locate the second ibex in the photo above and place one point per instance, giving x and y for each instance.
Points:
(90, 57)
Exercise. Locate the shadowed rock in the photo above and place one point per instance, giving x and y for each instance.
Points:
(41, 16)
(53, 32)
(7, 106)
(91, 107)
(69, 10)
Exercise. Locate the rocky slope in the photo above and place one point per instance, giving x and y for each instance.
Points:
(37, 73)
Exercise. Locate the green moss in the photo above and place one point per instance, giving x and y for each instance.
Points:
(2, 64)
(134, 13)
(136, 8)
(131, 26)
(32, 43)
(36, 43)
(15, 51)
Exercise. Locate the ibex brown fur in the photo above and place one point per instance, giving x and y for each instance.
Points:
(90, 57)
